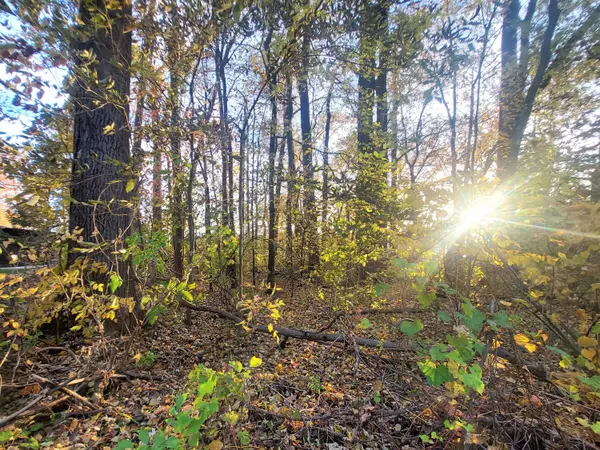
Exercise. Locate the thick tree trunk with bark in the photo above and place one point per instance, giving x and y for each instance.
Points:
(101, 205)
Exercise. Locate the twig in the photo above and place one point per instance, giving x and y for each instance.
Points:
(63, 349)
(35, 401)
(66, 390)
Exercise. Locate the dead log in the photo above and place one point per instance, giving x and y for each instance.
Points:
(537, 371)
(303, 334)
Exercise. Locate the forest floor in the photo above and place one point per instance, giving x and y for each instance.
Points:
(306, 395)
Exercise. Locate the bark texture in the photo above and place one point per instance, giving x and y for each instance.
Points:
(102, 160)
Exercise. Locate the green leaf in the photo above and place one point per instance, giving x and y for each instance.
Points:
(401, 263)
(437, 352)
(431, 267)
(207, 387)
(144, 436)
(180, 401)
(124, 444)
(444, 317)
(173, 443)
(255, 361)
(160, 442)
(501, 319)
(558, 351)
(380, 289)
(193, 440)
(365, 323)
(187, 295)
(593, 382)
(411, 328)
(114, 282)
(472, 379)
(192, 428)
(436, 375)
(473, 318)
(596, 328)
(426, 299)
(130, 185)
(244, 437)
(377, 397)
(5, 435)
(237, 366)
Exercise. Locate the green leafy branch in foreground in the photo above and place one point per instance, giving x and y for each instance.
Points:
(209, 393)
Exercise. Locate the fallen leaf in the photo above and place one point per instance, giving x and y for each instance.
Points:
(586, 341)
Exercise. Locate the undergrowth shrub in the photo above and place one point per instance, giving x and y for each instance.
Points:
(210, 411)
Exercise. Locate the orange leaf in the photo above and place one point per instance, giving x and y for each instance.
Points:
(588, 353)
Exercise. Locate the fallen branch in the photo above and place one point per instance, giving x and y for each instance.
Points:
(28, 406)
(59, 349)
(66, 390)
(295, 333)
(141, 376)
(538, 371)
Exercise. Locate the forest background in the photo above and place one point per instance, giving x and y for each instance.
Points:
(388, 210)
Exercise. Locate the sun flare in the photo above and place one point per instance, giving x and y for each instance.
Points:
(479, 213)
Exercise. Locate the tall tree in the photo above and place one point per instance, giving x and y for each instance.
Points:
(271, 76)
(310, 211)
(517, 99)
(100, 184)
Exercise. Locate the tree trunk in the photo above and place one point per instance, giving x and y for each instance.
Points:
(272, 80)
(310, 211)
(291, 203)
(371, 176)
(101, 202)
(176, 201)
(157, 198)
(326, 156)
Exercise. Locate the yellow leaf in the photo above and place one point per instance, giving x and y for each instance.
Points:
(109, 129)
(588, 353)
(215, 445)
(530, 347)
(137, 357)
(521, 339)
(255, 361)
(129, 186)
(586, 341)
(536, 294)
(505, 303)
